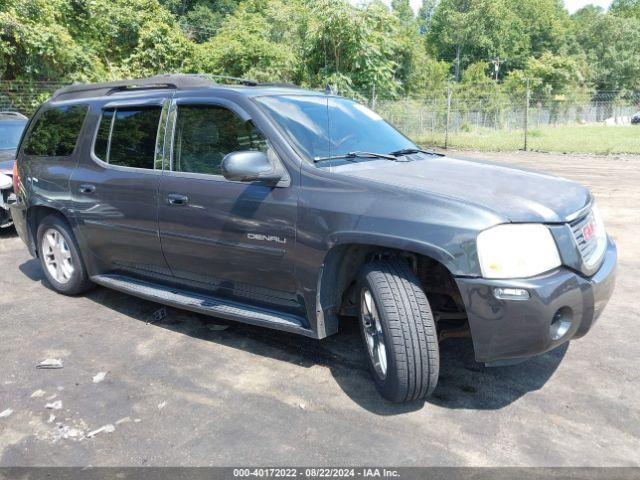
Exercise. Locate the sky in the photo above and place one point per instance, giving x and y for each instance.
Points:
(572, 5)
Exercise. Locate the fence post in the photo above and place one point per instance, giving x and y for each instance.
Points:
(526, 116)
(446, 127)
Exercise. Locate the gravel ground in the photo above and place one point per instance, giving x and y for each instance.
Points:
(184, 390)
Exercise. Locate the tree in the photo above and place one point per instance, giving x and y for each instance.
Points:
(425, 14)
(546, 26)
(626, 8)
(402, 9)
(466, 31)
(612, 47)
(35, 43)
(248, 45)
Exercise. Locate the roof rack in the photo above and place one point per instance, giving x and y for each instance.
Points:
(105, 88)
(166, 81)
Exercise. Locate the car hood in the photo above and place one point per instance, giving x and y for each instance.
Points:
(514, 194)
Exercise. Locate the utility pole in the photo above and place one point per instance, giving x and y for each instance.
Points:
(446, 127)
(496, 66)
(526, 115)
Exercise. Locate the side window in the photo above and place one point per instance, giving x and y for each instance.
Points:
(127, 136)
(101, 148)
(56, 132)
(206, 133)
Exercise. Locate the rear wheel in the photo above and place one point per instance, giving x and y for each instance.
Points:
(60, 257)
(398, 331)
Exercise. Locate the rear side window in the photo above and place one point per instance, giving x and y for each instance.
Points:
(127, 136)
(56, 132)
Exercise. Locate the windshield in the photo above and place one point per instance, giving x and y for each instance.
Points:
(322, 126)
(10, 132)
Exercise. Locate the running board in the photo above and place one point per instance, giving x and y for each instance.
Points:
(204, 304)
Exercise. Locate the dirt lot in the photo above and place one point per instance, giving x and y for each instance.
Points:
(182, 392)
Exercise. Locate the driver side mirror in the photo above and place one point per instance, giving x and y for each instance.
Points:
(249, 166)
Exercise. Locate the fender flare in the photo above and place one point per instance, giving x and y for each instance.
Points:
(326, 309)
(399, 243)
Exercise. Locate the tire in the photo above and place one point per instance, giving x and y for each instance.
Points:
(407, 327)
(62, 264)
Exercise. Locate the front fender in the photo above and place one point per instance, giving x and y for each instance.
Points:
(394, 242)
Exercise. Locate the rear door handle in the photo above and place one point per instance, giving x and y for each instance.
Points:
(177, 199)
(87, 188)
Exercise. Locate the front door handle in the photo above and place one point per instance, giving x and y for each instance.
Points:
(177, 199)
(87, 188)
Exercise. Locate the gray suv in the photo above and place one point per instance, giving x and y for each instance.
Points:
(297, 210)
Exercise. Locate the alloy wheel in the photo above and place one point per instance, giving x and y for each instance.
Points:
(57, 256)
(373, 333)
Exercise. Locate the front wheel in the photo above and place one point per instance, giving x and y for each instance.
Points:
(398, 331)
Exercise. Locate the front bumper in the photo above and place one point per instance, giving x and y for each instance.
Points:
(516, 329)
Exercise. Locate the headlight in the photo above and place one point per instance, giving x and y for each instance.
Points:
(600, 238)
(517, 251)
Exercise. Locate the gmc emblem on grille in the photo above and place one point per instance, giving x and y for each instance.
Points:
(588, 230)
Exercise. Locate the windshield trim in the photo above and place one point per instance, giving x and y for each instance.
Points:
(291, 141)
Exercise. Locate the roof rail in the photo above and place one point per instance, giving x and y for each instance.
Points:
(246, 81)
(158, 81)
(166, 81)
(242, 81)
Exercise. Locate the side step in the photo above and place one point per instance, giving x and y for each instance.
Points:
(204, 304)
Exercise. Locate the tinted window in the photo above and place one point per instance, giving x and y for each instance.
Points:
(205, 134)
(133, 137)
(102, 138)
(56, 132)
(10, 133)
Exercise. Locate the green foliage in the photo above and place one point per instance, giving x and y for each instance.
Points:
(612, 46)
(402, 9)
(371, 51)
(626, 8)
(425, 14)
(35, 43)
(249, 44)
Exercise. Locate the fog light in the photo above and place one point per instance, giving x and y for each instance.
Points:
(561, 323)
(511, 293)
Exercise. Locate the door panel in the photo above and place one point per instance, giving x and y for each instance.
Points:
(115, 190)
(233, 237)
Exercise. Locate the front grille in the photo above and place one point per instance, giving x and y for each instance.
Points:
(591, 248)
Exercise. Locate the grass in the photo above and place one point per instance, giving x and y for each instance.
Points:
(561, 139)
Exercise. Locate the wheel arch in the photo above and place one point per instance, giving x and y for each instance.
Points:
(35, 215)
(346, 257)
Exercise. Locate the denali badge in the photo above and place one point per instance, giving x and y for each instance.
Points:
(266, 238)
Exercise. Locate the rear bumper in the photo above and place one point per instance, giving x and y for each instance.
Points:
(517, 329)
(19, 214)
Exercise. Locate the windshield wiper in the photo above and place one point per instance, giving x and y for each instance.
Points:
(352, 155)
(409, 151)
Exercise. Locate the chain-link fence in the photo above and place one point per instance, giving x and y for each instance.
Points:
(24, 97)
(485, 117)
(490, 117)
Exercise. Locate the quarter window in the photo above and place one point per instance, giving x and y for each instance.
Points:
(206, 133)
(56, 132)
(127, 137)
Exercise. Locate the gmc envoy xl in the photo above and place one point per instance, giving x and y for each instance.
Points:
(296, 210)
